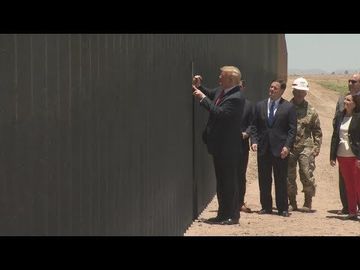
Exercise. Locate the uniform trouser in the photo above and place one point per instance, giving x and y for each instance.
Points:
(242, 176)
(227, 191)
(306, 162)
(266, 164)
(351, 176)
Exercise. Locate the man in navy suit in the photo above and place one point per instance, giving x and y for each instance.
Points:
(274, 136)
(222, 137)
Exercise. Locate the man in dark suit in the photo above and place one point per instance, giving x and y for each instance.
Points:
(222, 137)
(274, 135)
(246, 132)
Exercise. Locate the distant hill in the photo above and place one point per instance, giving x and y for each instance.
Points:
(297, 71)
(349, 71)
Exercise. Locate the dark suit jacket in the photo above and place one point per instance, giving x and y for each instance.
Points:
(246, 122)
(354, 135)
(281, 133)
(222, 134)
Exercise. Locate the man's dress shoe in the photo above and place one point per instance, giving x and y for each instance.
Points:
(284, 214)
(245, 209)
(214, 220)
(264, 211)
(230, 221)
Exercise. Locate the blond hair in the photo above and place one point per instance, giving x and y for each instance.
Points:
(234, 73)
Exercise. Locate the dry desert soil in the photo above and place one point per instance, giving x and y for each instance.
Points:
(323, 221)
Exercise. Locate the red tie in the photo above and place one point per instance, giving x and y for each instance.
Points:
(218, 100)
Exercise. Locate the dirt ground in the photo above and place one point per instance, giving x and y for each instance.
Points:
(323, 221)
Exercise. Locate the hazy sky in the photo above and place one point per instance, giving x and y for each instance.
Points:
(323, 51)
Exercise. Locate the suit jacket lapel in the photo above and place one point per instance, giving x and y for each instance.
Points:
(218, 91)
(264, 110)
(235, 89)
(279, 108)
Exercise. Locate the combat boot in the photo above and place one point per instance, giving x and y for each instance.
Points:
(292, 203)
(307, 204)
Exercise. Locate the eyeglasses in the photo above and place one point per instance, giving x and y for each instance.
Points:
(353, 81)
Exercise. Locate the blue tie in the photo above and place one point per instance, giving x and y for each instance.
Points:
(271, 113)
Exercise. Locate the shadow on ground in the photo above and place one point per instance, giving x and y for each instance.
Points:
(344, 218)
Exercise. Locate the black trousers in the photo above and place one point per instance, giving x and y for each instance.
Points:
(227, 191)
(244, 160)
(268, 164)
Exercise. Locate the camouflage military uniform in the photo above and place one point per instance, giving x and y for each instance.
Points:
(307, 143)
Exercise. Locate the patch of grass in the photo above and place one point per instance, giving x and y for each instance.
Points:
(335, 85)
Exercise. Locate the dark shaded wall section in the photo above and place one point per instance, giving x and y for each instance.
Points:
(282, 58)
(100, 134)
